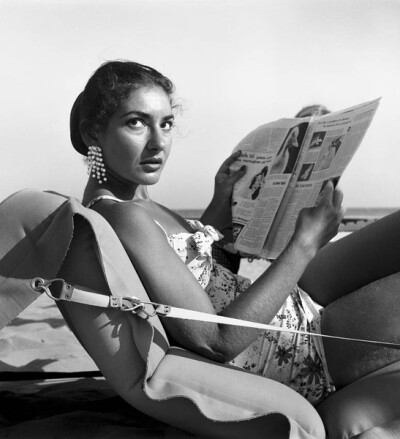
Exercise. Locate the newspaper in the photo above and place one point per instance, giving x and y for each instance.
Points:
(289, 161)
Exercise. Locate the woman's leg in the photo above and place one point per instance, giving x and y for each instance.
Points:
(373, 313)
(358, 259)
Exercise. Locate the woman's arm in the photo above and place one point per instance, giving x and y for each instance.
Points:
(167, 280)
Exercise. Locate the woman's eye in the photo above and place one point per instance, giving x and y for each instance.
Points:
(168, 125)
(136, 123)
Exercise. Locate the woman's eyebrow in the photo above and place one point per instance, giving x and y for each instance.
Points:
(138, 113)
(145, 115)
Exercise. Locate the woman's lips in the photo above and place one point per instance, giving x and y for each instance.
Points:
(152, 164)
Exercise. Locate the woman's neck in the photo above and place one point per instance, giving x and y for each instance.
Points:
(94, 189)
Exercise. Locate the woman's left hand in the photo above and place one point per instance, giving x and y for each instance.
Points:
(316, 226)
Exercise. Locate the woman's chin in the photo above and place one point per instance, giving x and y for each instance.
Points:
(149, 179)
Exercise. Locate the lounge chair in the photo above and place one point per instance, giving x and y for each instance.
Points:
(51, 236)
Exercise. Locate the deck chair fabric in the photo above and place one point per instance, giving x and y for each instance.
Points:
(46, 234)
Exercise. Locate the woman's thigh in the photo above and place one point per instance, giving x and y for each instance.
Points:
(352, 262)
(371, 313)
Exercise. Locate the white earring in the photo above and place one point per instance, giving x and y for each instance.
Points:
(96, 166)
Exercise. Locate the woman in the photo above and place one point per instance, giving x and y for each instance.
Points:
(257, 183)
(286, 157)
(330, 154)
(123, 122)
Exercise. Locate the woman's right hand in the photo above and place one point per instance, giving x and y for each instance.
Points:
(226, 178)
(219, 212)
(316, 226)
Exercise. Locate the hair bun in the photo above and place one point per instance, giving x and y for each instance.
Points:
(74, 122)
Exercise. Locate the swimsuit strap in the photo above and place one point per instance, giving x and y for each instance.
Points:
(110, 197)
(162, 228)
(103, 197)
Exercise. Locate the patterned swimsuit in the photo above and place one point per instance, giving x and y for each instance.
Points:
(295, 360)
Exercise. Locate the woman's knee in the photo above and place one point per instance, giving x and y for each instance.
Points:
(371, 313)
(354, 261)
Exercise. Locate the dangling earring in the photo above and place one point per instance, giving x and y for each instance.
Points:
(96, 166)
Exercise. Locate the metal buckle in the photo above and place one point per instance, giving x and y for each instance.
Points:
(37, 284)
(126, 303)
(134, 305)
(130, 304)
(40, 285)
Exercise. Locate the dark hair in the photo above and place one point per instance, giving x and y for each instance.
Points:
(263, 172)
(313, 109)
(109, 85)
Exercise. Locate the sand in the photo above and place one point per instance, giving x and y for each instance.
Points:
(38, 340)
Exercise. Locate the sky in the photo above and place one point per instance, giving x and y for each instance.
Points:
(236, 64)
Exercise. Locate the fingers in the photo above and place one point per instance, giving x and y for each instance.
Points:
(342, 212)
(337, 198)
(331, 195)
(335, 201)
(325, 197)
(237, 175)
(230, 160)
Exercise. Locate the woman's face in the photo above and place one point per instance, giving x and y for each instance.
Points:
(137, 140)
(293, 137)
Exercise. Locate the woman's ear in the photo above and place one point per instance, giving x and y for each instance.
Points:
(88, 136)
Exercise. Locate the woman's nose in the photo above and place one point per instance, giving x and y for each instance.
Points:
(157, 139)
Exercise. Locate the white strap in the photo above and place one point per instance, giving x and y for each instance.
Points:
(58, 289)
(181, 313)
(102, 197)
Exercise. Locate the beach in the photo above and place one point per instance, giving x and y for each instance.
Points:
(43, 364)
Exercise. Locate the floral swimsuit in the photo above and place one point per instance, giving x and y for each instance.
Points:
(295, 360)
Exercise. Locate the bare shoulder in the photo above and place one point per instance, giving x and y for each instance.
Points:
(130, 221)
(120, 213)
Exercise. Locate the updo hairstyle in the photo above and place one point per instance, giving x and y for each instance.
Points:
(109, 85)
(310, 110)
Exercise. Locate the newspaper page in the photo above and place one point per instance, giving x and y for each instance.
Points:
(270, 153)
(330, 144)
